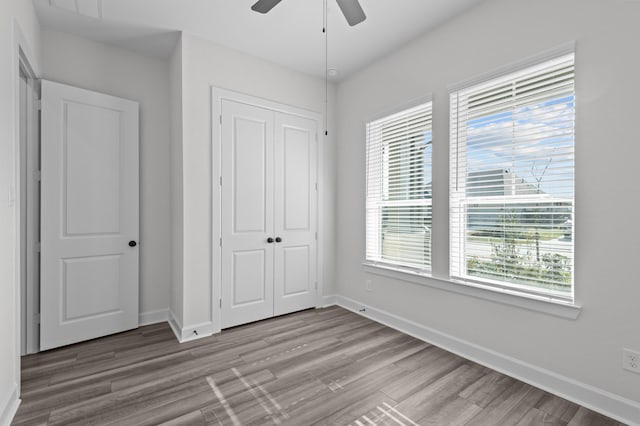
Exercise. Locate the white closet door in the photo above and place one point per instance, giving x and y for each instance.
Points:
(247, 213)
(89, 259)
(295, 213)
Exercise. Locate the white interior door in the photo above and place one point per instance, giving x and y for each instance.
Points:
(247, 213)
(89, 259)
(268, 213)
(295, 213)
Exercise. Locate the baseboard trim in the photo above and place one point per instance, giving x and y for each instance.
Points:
(10, 407)
(197, 331)
(189, 333)
(175, 325)
(153, 317)
(327, 301)
(599, 400)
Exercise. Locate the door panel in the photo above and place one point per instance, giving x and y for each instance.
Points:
(296, 264)
(247, 213)
(295, 213)
(250, 157)
(249, 277)
(89, 273)
(90, 286)
(297, 204)
(91, 161)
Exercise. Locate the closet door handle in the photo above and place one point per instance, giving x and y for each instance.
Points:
(278, 240)
(270, 240)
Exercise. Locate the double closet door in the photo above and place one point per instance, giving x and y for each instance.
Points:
(269, 213)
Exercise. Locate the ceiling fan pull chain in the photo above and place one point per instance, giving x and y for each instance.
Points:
(326, 68)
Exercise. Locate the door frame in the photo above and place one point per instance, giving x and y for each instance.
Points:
(23, 58)
(217, 96)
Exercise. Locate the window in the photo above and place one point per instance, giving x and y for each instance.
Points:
(512, 181)
(399, 189)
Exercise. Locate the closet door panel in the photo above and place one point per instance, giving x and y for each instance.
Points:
(247, 213)
(295, 213)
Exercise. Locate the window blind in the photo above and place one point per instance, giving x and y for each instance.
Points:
(512, 180)
(398, 193)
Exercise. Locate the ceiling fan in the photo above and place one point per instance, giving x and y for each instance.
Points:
(351, 9)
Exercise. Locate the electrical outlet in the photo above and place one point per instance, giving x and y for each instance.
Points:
(368, 285)
(631, 360)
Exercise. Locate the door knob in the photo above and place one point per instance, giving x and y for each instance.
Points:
(132, 243)
(278, 240)
(270, 240)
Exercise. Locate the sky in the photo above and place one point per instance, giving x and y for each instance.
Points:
(535, 142)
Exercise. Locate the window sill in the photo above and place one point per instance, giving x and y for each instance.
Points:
(530, 302)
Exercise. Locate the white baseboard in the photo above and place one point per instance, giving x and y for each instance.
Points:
(327, 301)
(192, 332)
(175, 325)
(599, 400)
(153, 317)
(9, 408)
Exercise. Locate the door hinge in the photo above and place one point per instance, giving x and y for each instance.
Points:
(316, 186)
(221, 119)
(220, 241)
(37, 175)
(220, 303)
(316, 236)
(220, 180)
(38, 247)
(37, 104)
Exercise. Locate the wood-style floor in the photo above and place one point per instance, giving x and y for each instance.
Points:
(327, 366)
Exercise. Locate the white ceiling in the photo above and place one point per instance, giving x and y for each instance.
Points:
(289, 35)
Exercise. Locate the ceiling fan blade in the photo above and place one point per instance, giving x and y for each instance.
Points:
(352, 10)
(263, 6)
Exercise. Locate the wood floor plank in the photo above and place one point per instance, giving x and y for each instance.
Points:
(557, 407)
(119, 405)
(358, 410)
(369, 364)
(424, 376)
(520, 412)
(457, 412)
(194, 418)
(487, 388)
(586, 417)
(434, 397)
(320, 366)
(206, 364)
(535, 416)
(121, 365)
(501, 408)
(166, 412)
(39, 403)
(335, 399)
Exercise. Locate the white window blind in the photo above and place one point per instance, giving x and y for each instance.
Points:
(398, 175)
(512, 181)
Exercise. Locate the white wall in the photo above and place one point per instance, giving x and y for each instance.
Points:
(204, 65)
(103, 68)
(20, 13)
(494, 34)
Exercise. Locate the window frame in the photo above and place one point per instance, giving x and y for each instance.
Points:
(516, 289)
(421, 202)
